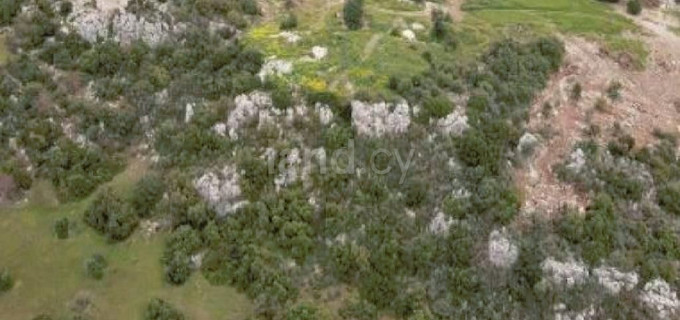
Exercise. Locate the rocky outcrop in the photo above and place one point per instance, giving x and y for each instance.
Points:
(94, 23)
(247, 106)
(614, 280)
(221, 190)
(275, 67)
(567, 273)
(379, 119)
(319, 52)
(658, 296)
(502, 251)
(453, 124)
(440, 224)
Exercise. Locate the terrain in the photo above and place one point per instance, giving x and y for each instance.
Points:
(386, 159)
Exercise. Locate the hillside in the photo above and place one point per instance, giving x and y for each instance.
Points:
(339, 159)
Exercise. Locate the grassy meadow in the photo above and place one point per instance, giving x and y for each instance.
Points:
(50, 275)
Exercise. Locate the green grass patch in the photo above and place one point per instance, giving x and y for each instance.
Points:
(356, 60)
(636, 49)
(50, 273)
(490, 20)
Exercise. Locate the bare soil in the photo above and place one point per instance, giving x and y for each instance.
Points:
(649, 101)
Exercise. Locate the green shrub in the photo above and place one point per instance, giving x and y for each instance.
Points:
(159, 309)
(352, 13)
(669, 198)
(614, 89)
(109, 215)
(6, 280)
(576, 91)
(437, 107)
(65, 8)
(282, 97)
(302, 312)
(633, 7)
(250, 7)
(289, 22)
(147, 192)
(95, 266)
(8, 10)
(61, 228)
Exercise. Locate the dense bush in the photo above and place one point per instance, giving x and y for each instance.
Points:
(61, 228)
(111, 216)
(352, 13)
(95, 266)
(289, 22)
(8, 10)
(147, 192)
(6, 280)
(633, 7)
(669, 198)
(159, 309)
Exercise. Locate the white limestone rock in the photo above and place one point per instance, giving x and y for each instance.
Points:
(409, 35)
(325, 113)
(319, 52)
(417, 26)
(221, 190)
(440, 224)
(376, 120)
(658, 296)
(502, 251)
(275, 67)
(290, 36)
(614, 280)
(561, 313)
(220, 129)
(188, 112)
(577, 161)
(567, 273)
(453, 124)
(247, 106)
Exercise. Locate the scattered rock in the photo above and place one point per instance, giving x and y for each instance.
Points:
(376, 119)
(614, 280)
(565, 273)
(561, 313)
(221, 190)
(417, 26)
(276, 67)
(440, 224)
(502, 251)
(220, 129)
(576, 161)
(188, 112)
(324, 112)
(319, 53)
(658, 296)
(409, 35)
(291, 37)
(453, 124)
